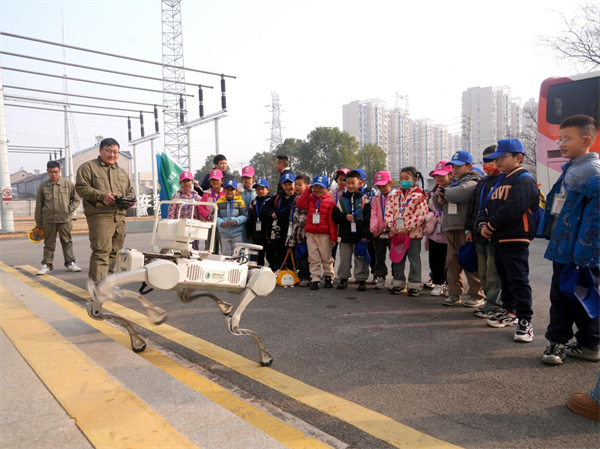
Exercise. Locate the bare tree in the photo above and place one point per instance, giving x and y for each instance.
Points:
(579, 42)
(528, 138)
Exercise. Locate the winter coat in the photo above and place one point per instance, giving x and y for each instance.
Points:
(186, 209)
(412, 206)
(478, 202)
(260, 210)
(576, 237)
(282, 206)
(378, 204)
(247, 196)
(362, 217)
(209, 197)
(227, 211)
(459, 192)
(308, 202)
(509, 209)
(434, 216)
(298, 223)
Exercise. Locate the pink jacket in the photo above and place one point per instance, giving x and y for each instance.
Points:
(412, 206)
(431, 221)
(186, 209)
(378, 213)
(208, 197)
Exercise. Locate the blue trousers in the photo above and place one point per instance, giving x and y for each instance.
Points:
(564, 312)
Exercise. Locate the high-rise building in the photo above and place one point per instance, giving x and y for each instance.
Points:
(422, 143)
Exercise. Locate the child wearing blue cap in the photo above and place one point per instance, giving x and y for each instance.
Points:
(281, 207)
(508, 222)
(454, 203)
(231, 217)
(259, 220)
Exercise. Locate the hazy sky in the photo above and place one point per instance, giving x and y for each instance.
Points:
(317, 55)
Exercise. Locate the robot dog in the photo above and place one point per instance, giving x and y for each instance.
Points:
(190, 273)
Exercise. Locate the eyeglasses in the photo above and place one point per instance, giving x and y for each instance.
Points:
(116, 153)
(565, 141)
(501, 158)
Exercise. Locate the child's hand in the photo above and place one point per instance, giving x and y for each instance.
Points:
(333, 243)
(377, 232)
(404, 231)
(486, 232)
(232, 223)
(224, 224)
(350, 217)
(393, 231)
(469, 237)
(273, 215)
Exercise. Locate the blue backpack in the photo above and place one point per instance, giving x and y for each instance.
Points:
(538, 214)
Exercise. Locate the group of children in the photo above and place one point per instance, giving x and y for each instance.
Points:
(473, 224)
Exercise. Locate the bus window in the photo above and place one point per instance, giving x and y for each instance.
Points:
(577, 97)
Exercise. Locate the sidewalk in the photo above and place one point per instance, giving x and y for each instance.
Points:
(72, 382)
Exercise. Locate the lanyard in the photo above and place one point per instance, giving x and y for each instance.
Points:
(279, 206)
(405, 204)
(292, 215)
(246, 198)
(213, 196)
(481, 203)
(337, 191)
(227, 206)
(381, 198)
(318, 203)
(452, 183)
(258, 211)
(351, 206)
(185, 207)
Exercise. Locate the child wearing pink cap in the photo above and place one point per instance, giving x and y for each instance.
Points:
(435, 238)
(187, 192)
(215, 177)
(379, 229)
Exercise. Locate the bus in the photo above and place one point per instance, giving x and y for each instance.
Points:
(561, 98)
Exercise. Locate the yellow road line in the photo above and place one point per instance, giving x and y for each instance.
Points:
(108, 415)
(286, 434)
(373, 423)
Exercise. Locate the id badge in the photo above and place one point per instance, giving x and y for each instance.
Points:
(290, 231)
(258, 226)
(438, 228)
(399, 222)
(452, 208)
(273, 231)
(353, 226)
(557, 204)
(316, 218)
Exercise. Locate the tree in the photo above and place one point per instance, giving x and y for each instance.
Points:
(371, 159)
(208, 165)
(579, 42)
(293, 149)
(528, 138)
(264, 166)
(326, 150)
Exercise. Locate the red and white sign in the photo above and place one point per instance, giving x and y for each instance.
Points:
(6, 194)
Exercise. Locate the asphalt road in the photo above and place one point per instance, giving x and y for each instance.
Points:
(437, 369)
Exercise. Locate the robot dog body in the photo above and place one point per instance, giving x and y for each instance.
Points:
(191, 274)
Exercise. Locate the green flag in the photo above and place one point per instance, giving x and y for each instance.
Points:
(169, 174)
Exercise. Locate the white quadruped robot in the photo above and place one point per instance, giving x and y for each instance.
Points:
(188, 272)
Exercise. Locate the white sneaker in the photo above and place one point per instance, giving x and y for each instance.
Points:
(445, 290)
(73, 268)
(380, 284)
(44, 270)
(437, 290)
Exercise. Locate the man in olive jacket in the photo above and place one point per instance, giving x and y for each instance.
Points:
(56, 201)
(98, 182)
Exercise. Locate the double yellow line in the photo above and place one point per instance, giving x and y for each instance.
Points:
(373, 423)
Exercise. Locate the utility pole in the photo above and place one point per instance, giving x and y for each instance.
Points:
(6, 215)
(174, 100)
(276, 138)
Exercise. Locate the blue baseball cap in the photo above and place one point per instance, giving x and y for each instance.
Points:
(287, 177)
(461, 158)
(262, 182)
(362, 173)
(321, 180)
(505, 146)
(230, 183)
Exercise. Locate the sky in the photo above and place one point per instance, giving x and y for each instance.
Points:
(317, 56)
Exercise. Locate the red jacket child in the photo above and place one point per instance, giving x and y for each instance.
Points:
(308, 201)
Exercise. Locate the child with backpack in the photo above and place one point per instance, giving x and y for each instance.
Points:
(509, 223)
(281, 209)
(296, 239)
(405, 214)
(379, 228)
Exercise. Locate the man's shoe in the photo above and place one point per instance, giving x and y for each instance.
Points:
(554, 354)
(502, 319)
(45, 269)
(328, 283)
(343, 285)
(589, 353)
(524, 332)
(304, 283)
(314, 286)
(582, 404)
(380, 284)
(73, 268)
(413, 292)
(484, 312)
(362, 286)
(452, 301)
(472, 302)
(437, 290)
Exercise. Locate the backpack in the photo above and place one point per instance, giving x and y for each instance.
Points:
(538, 214)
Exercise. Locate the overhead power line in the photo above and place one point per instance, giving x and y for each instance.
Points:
(43, 100)
(17, 36)
(72, 112)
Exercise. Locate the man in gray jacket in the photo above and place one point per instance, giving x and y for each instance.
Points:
(454, 202)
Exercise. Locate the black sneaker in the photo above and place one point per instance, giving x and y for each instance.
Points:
(554, 354)
(343, 285)
(328, 283)
(524, 332)
(396, 290)
(314, 286)
(413, 292)
(362, 286)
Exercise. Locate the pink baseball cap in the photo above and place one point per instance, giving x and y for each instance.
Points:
(215, 174)
(186, 175)
(382, 178)
(399, 246)
(341, 171)
(441, 169)
(248, 171)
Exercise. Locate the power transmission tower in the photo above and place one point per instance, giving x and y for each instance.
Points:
(276, 138)
(173, 83)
